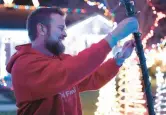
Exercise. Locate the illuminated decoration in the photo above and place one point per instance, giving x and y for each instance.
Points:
(9, 37)
(121, 93)
(158, 54)
(131, 99)
(3, 59)
(9, 2)
(26, 7)
(160, 16)
(100, 6)
(160, 106)
(107, 102)
(36, 3)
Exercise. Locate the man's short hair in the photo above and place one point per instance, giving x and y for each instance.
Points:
(41, 15)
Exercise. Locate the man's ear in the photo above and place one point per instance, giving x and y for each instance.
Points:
(41, 29)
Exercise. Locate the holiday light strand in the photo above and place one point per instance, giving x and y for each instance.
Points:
(158, 53)
(160, 16)
(133, 102)
(160, 105)
(107, 104)
(10, 3)
(26, 7)
(100, 6)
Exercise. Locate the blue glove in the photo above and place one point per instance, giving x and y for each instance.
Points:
(124, 28)
(125, 53)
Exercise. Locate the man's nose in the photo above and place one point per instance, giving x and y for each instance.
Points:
(64, 34)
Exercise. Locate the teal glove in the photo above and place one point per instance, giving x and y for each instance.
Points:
(124, 28)
(125, 53)
(119, 59)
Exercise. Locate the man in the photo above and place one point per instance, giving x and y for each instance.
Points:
(48, 82)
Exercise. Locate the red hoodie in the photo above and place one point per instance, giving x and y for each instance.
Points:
(45, 85)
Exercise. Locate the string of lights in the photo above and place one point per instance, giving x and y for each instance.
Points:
(160, 82)
(100, 6)
(159, 16)
(108, 104)
(26, 7)
(131, 98)
(10, 4)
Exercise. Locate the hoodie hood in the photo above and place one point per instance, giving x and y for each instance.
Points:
(21, 50)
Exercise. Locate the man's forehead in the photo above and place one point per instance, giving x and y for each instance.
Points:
(57, 18)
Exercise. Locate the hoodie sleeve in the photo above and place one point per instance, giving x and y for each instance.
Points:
(100, 77)
(44, 77)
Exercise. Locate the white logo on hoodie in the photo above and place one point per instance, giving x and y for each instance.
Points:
(68, 93)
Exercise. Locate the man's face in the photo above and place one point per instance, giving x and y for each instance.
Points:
(55, 34)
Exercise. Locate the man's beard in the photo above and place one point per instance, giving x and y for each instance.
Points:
(55, 47)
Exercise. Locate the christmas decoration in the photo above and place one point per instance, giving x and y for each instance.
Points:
(160, 15)
(37, 5)
(100, 6)
(131, 96)
(107, 102)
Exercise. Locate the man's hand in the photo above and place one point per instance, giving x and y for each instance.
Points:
(126, 52)
(124, 28)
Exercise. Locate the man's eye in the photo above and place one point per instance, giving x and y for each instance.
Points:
(61, 29)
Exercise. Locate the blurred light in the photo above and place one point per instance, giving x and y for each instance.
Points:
(21, 7)
(32, 8)
(36, 3)
(146, 50)
(15, 6)
(153, 8)
(98, 3)
(154, 12)
(83, 10)
(157, 68)
(113, 14)
(160, 15)
(69, 10)
(78, 11)
(104, 7)
(90, 3)
(64, 9)
(27, 7)
(151, 31)
(153, 45)
(8, 1)
(150, 78)
(156, 24)
(100, 6)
